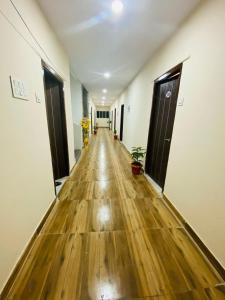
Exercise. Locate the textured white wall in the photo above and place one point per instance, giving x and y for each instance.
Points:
(26, 176)
(196, 170)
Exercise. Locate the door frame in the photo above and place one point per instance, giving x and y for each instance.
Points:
(114, 119)
(111, 124)
(174, 72)
(48, 69)
(121, 121)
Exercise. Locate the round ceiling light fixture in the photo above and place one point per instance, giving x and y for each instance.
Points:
(104, 98)
(107, 75)
(105, 91)
(117, 7)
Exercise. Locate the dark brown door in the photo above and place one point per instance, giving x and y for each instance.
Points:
(111, 124)
(56, 125)
(161, 125)
(121, 122)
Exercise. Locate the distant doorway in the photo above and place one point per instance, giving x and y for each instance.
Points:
(164, 105)
(121, 121)
(56, 118)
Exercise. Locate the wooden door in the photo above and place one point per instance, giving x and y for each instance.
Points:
(56, 125)
(161, 125)
(121, 122)
(111, 124)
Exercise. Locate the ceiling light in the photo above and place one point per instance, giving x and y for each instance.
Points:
(117, 7)
(105, 91)
(103, 98)
(107, 75)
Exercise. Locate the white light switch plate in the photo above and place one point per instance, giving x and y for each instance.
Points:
(19, 89)
(180, 101)
(38, 98)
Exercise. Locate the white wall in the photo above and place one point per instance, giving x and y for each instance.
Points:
(26, 176)
(77, 109)
(196, 170)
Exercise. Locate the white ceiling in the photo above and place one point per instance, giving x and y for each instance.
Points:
(97, 41)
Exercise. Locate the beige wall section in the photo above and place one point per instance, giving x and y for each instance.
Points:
(26, 172)
(196, 170)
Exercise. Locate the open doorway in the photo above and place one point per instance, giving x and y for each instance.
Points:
(164, 105)
(56, 117)
(121, 121)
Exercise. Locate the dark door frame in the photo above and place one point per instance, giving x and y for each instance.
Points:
(46, 68)
(111, 124)
(121, 121)
(175, 72)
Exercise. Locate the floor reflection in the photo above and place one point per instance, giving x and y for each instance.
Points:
(108, 290)
(103, 184)
(104, 214)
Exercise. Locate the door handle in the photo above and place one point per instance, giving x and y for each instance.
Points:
(167, 140)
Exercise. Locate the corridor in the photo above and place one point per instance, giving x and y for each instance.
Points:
(110, 236)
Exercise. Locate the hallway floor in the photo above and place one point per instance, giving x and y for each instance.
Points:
(110, 236)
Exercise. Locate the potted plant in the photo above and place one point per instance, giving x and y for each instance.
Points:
(115, 134)
(95, 130)
(137, 154)
(85, 123)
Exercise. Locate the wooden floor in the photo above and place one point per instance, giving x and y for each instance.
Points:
(110, 236)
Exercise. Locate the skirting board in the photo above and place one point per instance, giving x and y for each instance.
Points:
(216, 264)
(22, 259)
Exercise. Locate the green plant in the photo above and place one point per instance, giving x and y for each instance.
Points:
(138, 154)
(115, 131)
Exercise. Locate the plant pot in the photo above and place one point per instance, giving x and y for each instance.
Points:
(115, 137)
(95, 132)
(136, 168)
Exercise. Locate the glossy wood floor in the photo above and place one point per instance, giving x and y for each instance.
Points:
(110, 236)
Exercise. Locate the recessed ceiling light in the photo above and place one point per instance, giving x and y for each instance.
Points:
(107, 75)
(117, 7)
(103, 98)
(105, 91)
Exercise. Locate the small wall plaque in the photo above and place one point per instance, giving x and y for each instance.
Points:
(168, 94)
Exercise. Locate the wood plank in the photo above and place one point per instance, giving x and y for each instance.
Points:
(110, 236)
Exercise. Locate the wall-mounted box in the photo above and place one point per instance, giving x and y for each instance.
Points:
(19, 89)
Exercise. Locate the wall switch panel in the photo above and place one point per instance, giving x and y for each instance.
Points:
(180, 102)
(38, 98)
(19, 89)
